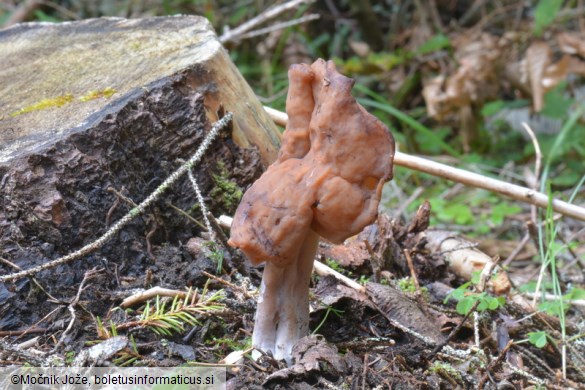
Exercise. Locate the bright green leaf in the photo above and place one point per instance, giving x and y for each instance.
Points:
(545, 13)
(465, 305)
(483, 305)
(437, 42)
(492, 108)
(493, 303)
(538, 339)
(556, 103)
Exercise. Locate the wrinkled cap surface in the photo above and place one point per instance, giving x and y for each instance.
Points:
(335, 158)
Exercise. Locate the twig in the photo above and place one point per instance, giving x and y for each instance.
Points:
(270, 13)
(5, 333)
(323, 270)
(28, 356)
(217, 126)
(517, 250)
(151, 293)
(186, 215)
(365, 371)
(411, 268)
(226, 283)
(525, 374)
(120, 195)
(454, 331)
(23, 11)
(279, 26)
(219, 234)
(552, 297)
(494, 364)
(513, 191)
(86, 277)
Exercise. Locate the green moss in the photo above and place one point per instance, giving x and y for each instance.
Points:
(105, 93)
(447, 372)
(226, 192)
(58, 101)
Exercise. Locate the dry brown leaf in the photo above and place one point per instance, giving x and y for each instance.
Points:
(352, 254)
(474, 81)
(464, 258)
(538, 58)
(576, 66)
(571, 43)
(555, 73)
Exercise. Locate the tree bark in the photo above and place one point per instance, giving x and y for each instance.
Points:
(102, 103)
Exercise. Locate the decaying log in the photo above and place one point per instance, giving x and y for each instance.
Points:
(85, 106)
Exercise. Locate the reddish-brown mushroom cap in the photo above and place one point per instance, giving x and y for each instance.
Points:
(327, 181)
(335, 158)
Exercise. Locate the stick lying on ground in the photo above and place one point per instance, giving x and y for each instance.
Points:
(513, 191)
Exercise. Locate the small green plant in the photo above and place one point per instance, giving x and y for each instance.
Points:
(216, 254)
(165, 320)
(538, 339)
(69, 357)
(127, 356)
(330, 309)
(103, 332)
(467, 298)
(232, 344)
(334, 265)
(545, 13)
(447, 372)
(407, 285)
(225, 192)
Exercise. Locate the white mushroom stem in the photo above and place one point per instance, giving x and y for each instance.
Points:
(282, 317)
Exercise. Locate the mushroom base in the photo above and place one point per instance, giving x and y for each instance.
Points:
(282, 317)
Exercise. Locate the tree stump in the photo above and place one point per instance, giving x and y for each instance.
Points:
(115, 103)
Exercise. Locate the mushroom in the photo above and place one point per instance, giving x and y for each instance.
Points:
(326, 182)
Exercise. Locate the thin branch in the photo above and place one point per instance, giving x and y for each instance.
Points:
(136, 211)
(143, 296)
(23, 12)
(454, 332)
(86, 277)
(513, 191)
(493, 365)
(270, 13)
(280, 26)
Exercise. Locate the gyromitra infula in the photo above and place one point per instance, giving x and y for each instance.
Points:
(327, 181)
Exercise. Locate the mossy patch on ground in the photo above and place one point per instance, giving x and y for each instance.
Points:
(225, 192)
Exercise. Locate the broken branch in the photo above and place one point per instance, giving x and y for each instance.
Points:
(472, 179)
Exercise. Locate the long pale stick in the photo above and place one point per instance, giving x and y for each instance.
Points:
(513, 191)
